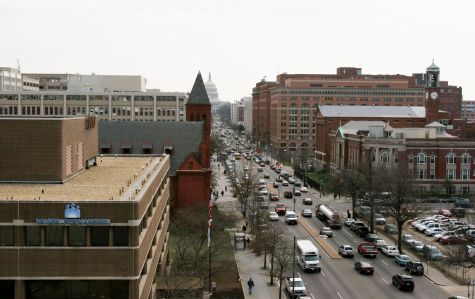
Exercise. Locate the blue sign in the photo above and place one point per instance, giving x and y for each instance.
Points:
(72, 215)
(72, 211)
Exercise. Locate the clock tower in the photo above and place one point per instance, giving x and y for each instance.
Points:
(432, 99)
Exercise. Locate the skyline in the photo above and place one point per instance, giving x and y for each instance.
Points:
(168, 43)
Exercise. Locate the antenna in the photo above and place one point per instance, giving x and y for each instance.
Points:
(18, 65)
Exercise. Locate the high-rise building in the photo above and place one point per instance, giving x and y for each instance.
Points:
(248, 115)
(468, 110)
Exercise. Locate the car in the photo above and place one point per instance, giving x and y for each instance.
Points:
(307, 201)
(304, 189)
(263, 191)
(297, 193)
(414, 267)
(407, 239)
(470, 234)
(266, 175)
(364, 268)
(378, 243)
(371, 237)
(379, 219)
(260, 169)
(402, 259)
(453, 297)
(285, 183)
(279, 180)
(367, 249)
(389, 250)
(349, 221)
(362, 231)
(291, 180)
(445, 212)
(451, 239)
(273, 197)
(307, 213)
(326, 231)
(403, 282)
(437, 237)
(280, 208)
(278, 170)
(275, 184)
(346, 250)
(433, 231)
(356, 225)
(295, 286)
(297, 183)
(262, 164)
(390, 229)
(290, 217)
(417, 246)
(273, 216)
(288, 194)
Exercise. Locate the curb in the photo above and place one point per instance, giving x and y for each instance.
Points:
(436, 283)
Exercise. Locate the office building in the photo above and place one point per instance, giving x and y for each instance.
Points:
(10, 79)
(468, 110)
(84, 226)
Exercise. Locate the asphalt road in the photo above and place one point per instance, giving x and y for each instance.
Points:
(338, 278)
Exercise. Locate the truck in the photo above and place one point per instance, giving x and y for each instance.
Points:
(326, 213)
(295, 286)
(307, 256)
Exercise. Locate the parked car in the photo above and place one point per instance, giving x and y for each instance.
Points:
(371, 237)
(390, 229)
(389, 250)
(273, 216)
(304, 189)
(307, 213)
(402, 259)
(326, 231)
(280, 208)
(364, 268)
(432, 252)
(349, 221)
(417, 246)
(414, 267)
(379, 243)
(403, 282)
(434, 231)
(307, 201)
(346, 250)
(379, 219)
(445, 212)
(407, 239)
(437, 237)
(451, 239)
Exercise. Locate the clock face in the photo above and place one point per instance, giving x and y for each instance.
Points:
(434, 95)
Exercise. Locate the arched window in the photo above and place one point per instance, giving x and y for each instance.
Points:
(451, 158)
(465, 158)
(421, 158)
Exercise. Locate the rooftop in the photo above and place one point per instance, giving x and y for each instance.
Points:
(372, 111)
(98, 183)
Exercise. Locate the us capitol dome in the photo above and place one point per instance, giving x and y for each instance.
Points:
(211, 90)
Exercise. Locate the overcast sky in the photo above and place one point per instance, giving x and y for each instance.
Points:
(239, 42)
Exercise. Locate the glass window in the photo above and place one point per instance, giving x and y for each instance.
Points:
(421, 158)
(7, 236)
(99, 236)
(77, 236)
(33, 236)
(121, 236)
(451, 158)
(451, 174)
(54, 236)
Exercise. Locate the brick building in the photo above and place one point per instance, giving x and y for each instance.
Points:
(468, 110)
(76, 226)
(436, 160)
(188, 144)
(285, 111)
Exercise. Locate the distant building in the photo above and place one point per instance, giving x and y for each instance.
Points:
(73, 225)
(468, 110)
(211, 90)
(248, 115)
(237, 113)
(10, 79)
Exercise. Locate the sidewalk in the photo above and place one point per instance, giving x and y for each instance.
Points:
(248, 263)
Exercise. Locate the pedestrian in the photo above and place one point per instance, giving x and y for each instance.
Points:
(348, 213)
(226, 188)
(250, 284)
(222, 192)
(244, 228)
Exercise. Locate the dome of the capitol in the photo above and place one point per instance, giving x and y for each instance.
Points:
(211, 90)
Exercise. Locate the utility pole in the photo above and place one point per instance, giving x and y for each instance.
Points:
(293, 270)
(371, 200)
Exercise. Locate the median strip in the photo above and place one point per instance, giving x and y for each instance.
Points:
(316, 236)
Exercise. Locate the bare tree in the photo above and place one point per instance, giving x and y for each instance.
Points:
(399, 198)
(283, 257)
(273, 239)
(351, 182)
(459, 256)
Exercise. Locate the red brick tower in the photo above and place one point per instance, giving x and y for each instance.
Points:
(432, 101)
(198, 108)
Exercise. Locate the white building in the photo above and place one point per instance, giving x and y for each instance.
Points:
(237, 112)
(248, 115)
(10, 79)
(211, 90)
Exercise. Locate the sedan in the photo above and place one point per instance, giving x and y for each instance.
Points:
(285, 183)
(273, 216)
(307, 201)
(389, 250)
(417, 246)
(403, 282)
(433, 231)
(437, 237)
(346, 250)
(402, 259)
(349, 221)
(307, 213)
(275, 185)
(263, 191)
(304, 189)
(364, 268)
(266, 175)
(326, 231)
(407, 239)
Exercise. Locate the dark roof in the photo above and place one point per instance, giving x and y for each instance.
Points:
(198, 93)
(184, 137)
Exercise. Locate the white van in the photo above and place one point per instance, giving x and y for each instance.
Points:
(307, 256)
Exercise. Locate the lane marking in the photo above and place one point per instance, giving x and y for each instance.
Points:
(323, 273)
(384, 262)
(385, 280)
(311, 295)
(339, 295)
(348, 233)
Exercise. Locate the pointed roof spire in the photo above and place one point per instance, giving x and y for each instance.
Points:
(198, 93)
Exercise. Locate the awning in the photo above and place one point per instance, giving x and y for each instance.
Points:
(105, 145)
(147, 145)
(126, 145)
